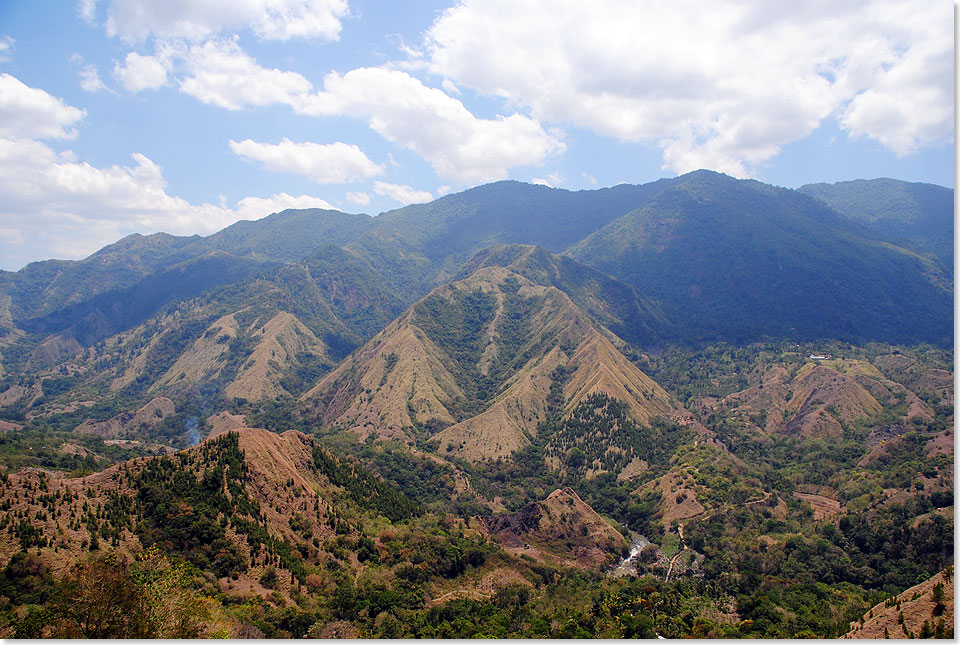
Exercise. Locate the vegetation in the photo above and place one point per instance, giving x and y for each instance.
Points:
(758, 525)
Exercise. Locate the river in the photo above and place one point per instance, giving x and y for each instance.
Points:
(626, 568)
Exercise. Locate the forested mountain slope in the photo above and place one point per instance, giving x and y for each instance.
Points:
(917, 216)
(739, 261)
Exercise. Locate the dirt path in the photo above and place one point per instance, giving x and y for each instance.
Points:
(757, 501)
(679, 553)
(460, 593)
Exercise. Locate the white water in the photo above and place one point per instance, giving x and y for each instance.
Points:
(626, 567)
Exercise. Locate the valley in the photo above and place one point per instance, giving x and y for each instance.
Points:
(458, 419)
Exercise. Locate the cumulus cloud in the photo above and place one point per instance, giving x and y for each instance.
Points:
(721, 85)
(53, 203)
(403, 194)
(87, 10)
(222, 74)
(135, 20)
(434, 125)
(333, 163)
(396, 105)
(138, 72)
(910, 102)
(552, 180)
(72, 208)
(30, 113)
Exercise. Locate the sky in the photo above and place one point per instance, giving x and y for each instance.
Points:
(184, 116)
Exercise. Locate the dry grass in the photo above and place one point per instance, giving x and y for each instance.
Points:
(278, 343)
(916, 605)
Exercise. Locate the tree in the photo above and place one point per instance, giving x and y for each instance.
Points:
(99, 601)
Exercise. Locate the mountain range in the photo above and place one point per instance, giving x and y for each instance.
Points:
(493, 396)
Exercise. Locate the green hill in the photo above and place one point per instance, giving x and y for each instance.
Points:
(739, 260)
(917, 216)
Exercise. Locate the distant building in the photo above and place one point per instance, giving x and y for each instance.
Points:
(820, 357)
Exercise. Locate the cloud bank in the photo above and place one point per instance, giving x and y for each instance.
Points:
(720, 85)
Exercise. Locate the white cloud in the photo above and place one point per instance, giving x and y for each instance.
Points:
(334, 163)
(27, 112)
(433, 124)
(90, 79)
(139, 72)
(910, 102)
(87, 10)
(449, 87)
(720, 85)
(395, 104)
(403, 194)
(135, 20)
(552, 180)
(6, 48)
(257, 207)
(54, 204)
(361, 199)
(443, 190)
(70, 209)
(589, 178)
(222, 74)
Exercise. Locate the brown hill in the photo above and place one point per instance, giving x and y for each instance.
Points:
(204, 359)
(249, 355)
(281, 344)
(916, 375)
(822, 398)
(476, 360)
(61, 518)
(558, 527)
(818, 398)
(616, 305)
(155, 411)
(922, 611)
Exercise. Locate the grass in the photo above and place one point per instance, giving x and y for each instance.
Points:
(671, 545)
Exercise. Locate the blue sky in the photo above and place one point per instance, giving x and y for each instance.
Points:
(183, 116)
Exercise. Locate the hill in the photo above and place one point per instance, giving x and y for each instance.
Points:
(444, 422)
(423, 245)
(820, 398)
(740, 261)
(916, 216)
(562, 524)
(799, 269)
(184, 545)
(609, 302)
(471, 367)
(288, 236)
(922, 611)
